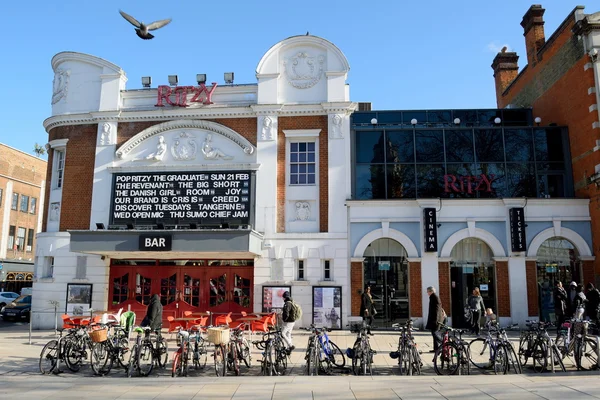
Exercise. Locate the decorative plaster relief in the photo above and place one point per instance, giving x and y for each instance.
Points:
(184, 150)
(105, 136)
(267, 129)
(336, 127)
(304, 71)
(54, 211)
(212, 153)
(60, 85)
(302, 211)
(161, 149)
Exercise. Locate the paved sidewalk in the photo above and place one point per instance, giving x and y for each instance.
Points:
(21, 378)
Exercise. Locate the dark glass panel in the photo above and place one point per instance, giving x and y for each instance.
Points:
(429, 146)
(311, 146)
(516, 117)
(363, 117)
(401, 181)
(519, 144)
(420, 116)
(459, 145)
(310, 179)
(390, 117)
(491, 181)
(487, 117)
(455, 180)
(311, 157)
(301, 146)
(520, 180)
(400, 146)
(439, 118)
(430, 181)
(369, 147)
(548, 144)
(552, 185)
(370, 182)
(548, 166)
(489, 145)
(467, 117)
(294, 147)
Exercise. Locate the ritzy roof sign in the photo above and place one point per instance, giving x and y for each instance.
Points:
(178, 95)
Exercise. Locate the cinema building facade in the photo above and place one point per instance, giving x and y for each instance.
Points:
(220, 197)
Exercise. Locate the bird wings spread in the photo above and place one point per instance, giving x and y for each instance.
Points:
(158, 24)
(129, 18)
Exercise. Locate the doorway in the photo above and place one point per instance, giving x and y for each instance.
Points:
(386, 271)
(219, 286)
(471, 266)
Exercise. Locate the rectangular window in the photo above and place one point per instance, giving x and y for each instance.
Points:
(48, 267)
(302, 163)
(300, 270)
(15, 201)
(327, 270)
(33, 205)
(24, 203)
(21, 239)
(81, 267)
(30, 236)
(12, 230)
(59, 168)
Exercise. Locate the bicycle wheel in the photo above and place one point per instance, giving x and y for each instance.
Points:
(49, 357)
(447, 359)
(183, 366)
(403, 360)
(336, 355)
(312, 363)
(561, 345)
(589, 359)
(145, 359)
(73, 355)
(513, 359)
(131, 366)
(355, 360)
(525, 348)
(540, 356)
(480, 353)
(162, 352)
(244, 352)
(220, 362)
(122, 351)
(233, 363)
(280, 360)
(557, 359)
(416, 361)
(100, 358)
(500, 361)
(176, 363)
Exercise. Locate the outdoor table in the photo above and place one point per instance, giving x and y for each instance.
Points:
(185, 321)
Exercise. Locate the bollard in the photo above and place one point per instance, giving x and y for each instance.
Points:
(55, 317)
(30, 319)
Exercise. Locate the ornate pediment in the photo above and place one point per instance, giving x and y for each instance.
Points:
(304, 70)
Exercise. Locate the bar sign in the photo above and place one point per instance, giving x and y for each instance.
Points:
(518, 240)
(430, 225)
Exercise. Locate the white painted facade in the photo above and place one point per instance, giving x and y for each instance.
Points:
(89, 90)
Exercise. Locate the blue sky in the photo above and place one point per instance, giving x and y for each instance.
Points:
(402, 54)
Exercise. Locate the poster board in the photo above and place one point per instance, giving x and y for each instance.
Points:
(272, 297)
(79, 298)
(327, 306)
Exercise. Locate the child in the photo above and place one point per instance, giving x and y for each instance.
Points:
(490, 317)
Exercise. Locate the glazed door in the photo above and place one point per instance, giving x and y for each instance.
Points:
(130, 288)
(169, 287)
(229, 289)
(190, 298)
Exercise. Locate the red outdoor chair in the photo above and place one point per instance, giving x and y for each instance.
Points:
(223, 320)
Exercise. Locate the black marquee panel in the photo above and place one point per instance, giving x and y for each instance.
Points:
(203, 198)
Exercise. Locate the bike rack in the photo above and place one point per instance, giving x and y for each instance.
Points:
(598, 352)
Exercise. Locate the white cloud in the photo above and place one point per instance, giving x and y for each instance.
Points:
(496, 47)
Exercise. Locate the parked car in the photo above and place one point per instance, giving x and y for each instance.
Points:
(17, 310)
(7, 297)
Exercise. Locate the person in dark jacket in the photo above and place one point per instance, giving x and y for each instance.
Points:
(560, 304)
(434, 317)
(367, 308)
(153, 317)
(288, 321)
(477, 310)
(593, 301)
(579, 303)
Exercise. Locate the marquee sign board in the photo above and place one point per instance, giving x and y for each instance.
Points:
(518, 240)
(430, 228)
(204, 198)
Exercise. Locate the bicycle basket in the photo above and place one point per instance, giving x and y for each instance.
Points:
(99, 335)
(218, 335)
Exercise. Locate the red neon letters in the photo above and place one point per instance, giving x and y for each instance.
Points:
(468, 183)
(201, 94)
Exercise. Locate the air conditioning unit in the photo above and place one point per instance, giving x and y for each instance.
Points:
(28, 248)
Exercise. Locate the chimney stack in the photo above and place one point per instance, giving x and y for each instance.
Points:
(533, 26)
(506, 69)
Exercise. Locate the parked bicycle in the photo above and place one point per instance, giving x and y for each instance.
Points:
(494, 351)
(141, 358)
(182, 355)
(322, 354)
(274, 354)
(108, 348)
(409, 359)
(452, 356)
(536, 343)
(54, 352)
(361, 353)
(573, 341)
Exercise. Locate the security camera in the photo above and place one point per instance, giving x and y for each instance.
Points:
(594, 54)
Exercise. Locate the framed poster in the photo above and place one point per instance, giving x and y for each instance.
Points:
(79, 298)
(272, 298)
(327, 306)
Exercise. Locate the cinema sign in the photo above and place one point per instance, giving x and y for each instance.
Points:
(468, 183)
(178, 96)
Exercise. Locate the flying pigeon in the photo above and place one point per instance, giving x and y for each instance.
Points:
(141, 28)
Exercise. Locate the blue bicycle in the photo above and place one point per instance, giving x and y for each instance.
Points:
(321, 353)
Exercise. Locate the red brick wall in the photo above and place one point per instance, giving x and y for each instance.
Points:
(587, 267)
(309, 122)
(503, 288)
(532, 288)
(444, 289)
(414, 295)
(356, 286)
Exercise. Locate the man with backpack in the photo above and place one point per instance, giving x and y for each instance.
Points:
(290, 314)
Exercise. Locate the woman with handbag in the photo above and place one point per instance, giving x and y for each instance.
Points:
(367, 308)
